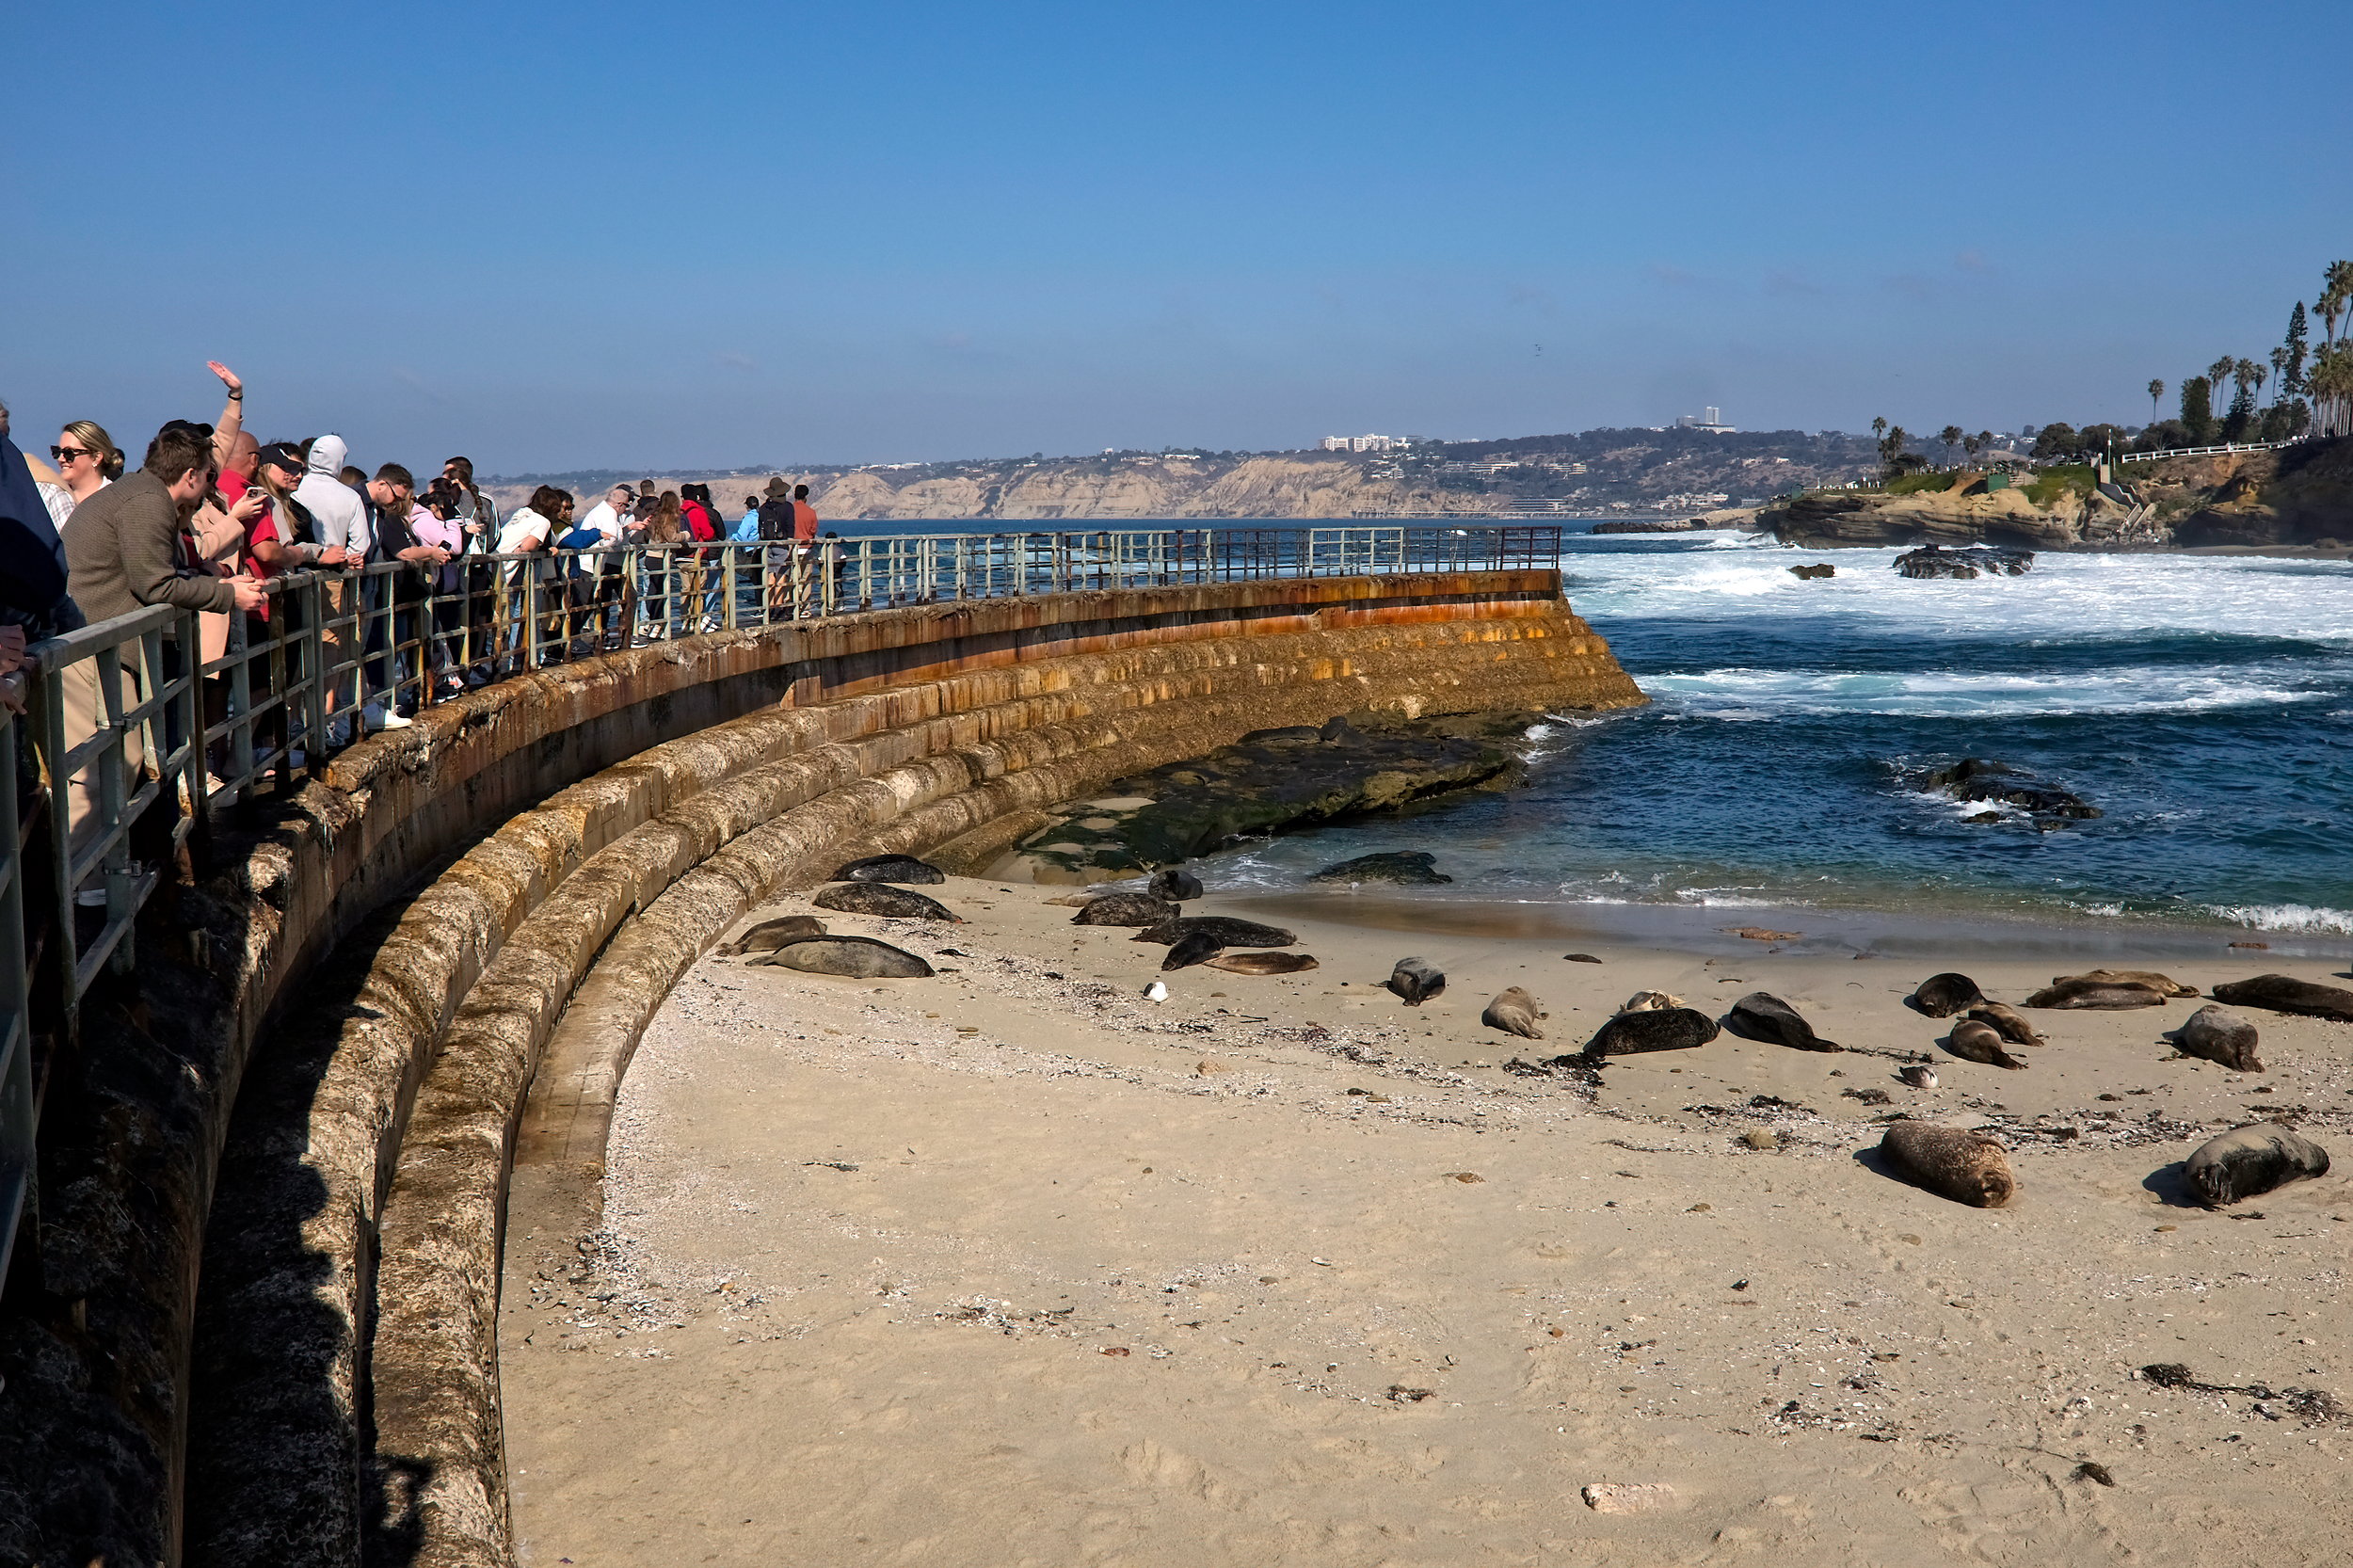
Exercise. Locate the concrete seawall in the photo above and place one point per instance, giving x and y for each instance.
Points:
(430, 974)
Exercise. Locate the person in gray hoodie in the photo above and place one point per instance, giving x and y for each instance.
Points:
(340, 519)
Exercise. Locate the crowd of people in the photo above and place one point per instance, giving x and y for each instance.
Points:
(212, 517)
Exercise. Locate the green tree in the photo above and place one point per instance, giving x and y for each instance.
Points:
(1973, 445)
(2298, 348)
(2336, 296)
(2156, 389)
(2331, 385)
(1951, 435)
(1878, 428)
(2216, 374)
(2198, 410)
(2056, 440)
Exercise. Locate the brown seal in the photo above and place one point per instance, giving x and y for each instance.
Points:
(2285, 994)
(2219, 1034)
(1262, 963)
(2008, 1023)
(1194, 947)
(771, 934)
(1644, 1001)
(1415, 979)
(1941, 996)
(2081, 992)
(856, 958)
(1966, 1167)
(2164, 983)
(1514, 1012)
(1975, 1042)
(1762, 1015)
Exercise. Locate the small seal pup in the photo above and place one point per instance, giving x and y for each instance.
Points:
(2081, 992)
(1415, 979)
(1514, 1012)
(2282, 993)
(1941, 996)
(856, 958)
(1197, 947)
(890, 868)
(768, 936)
(1644, 1001)
(1975, 1042)
(1233, 932)
(2219, 1034)
(880, 898)
(1652, 1028)
(1137, 909)
(2008, 1023)
(1966, 1167)
(1262, 963)
(1762, 1015)
(1174, 884)
(2251, 1159)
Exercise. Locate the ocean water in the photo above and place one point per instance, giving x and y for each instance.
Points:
(2205, 704)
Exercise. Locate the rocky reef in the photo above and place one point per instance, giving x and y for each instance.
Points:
(1976, 780)
(1268, 781)
(1932, 560)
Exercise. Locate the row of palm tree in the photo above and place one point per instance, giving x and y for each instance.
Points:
(2295, 371)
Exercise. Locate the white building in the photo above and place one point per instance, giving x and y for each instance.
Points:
(1714, 423)
(1364, 443)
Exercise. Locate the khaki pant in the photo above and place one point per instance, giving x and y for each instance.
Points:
(338, 640)
(84, 716)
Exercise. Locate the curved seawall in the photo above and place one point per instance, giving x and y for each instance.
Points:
(313, 1105)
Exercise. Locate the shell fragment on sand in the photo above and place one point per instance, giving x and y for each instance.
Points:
(1628, 1498)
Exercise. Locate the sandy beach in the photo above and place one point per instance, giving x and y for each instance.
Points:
(1011, 1265)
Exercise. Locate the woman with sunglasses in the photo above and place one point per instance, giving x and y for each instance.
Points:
(88, 461)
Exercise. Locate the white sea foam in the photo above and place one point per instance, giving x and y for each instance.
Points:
(1752, 693)
(2286, 917)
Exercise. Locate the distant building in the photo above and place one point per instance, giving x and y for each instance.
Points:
(1364, 443)
(1714, 423)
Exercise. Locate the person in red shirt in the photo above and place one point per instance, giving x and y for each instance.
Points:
(804, 516)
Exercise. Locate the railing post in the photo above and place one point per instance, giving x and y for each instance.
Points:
(16, 1036)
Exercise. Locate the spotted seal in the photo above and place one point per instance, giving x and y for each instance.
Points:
(890, 868)
(1650, 1029)
(1967, 1167)
(1262, 963)
(2219, 1034)
(1644, 1001)
(1233, 932)
(1762, 1015)
(1514, 1012)
(879, 898)
(856, 957)
(1137, 909)
(771, 934)
(1176, 886)
(1194, 947)
(2251, 1159)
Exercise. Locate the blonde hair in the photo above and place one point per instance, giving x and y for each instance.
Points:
(94, 437)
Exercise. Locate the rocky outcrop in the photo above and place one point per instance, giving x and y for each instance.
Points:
(1729, 517)
(2300, 495)
(1964, 514)
(1975, 779)
(1933, 560)
(1266, 782)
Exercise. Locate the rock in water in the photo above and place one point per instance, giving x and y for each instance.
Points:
(1197, 947)
(2221, 1035)
(890, 868)
(1966, 1167)
(2165, 986)
(1645, 1002)
(1233, 932)
(1174, 885)
(876, 898)
(1409, 866)
(2008, 1023)
(2083, 993)
(1762, 1015)
(2282, 993)
(1137, 909)
(1935, 561)
(1975, 1042)
(1941, 996)
(856, 958)
(2251, 1160)
(1977, 779)
(771, 934)
(1817, 568)
(1653, 1028)
(1514, 1012)
(1262, 963)
(1416, 980)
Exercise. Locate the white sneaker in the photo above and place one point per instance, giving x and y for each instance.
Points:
(393, 721)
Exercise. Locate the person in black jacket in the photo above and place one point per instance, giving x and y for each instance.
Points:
(34, 605)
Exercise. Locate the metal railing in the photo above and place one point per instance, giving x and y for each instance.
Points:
(145, 729)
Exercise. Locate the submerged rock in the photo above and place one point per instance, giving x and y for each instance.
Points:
(1814, 570)
(1981, 779)
(1933, 560)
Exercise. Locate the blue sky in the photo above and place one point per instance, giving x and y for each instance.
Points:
(598, 234)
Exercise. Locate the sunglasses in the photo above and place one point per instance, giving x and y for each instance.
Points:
(67, 453)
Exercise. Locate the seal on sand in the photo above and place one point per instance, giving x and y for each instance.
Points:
(2081, 992)
(2008, 1023)
(1966, 1167)
(1415, 979)
(1941, 996)
(1762, 1015)
(1174, 885)
(856, 958)
(2251, 1159)
(1262, 963)
(1975, 1042)
(877, 897)
(2219, 1034)
(768, 936)
(1233, 932)
(1652, 1028)
(1514, 1013)
(1196, 947)
(1644, 1001)
(890, 868)
(1137, 909)
(2165, 984)
(2285, 994)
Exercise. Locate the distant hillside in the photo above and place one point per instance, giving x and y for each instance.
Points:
(1594, 472)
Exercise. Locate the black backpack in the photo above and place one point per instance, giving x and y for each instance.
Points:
(776, 519)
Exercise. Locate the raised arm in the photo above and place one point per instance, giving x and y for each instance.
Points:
(231, 414)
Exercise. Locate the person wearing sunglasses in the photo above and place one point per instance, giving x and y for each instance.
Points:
(86, 461)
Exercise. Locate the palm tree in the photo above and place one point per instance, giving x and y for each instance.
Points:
(2336, 296)
(1878, 428)
(2156, 390)
(2220, 372)
(2280, 374)
(1972, 445)
(1951, 435)
(2331, 383)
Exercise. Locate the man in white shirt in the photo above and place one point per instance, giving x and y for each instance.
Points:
(340, 520)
